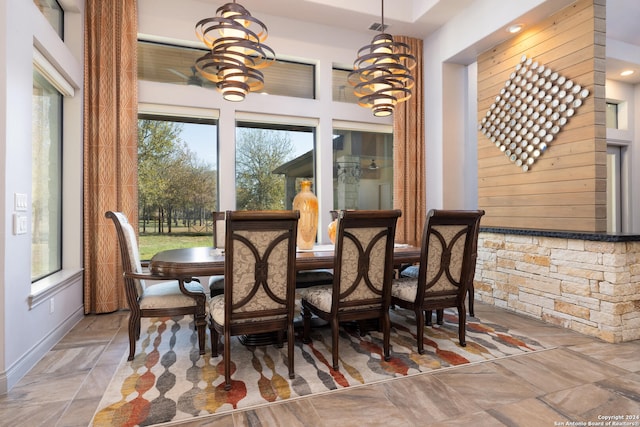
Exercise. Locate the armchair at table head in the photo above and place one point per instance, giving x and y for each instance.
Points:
(259, 294)
(446, 270)
(167, 298)
(363, 270)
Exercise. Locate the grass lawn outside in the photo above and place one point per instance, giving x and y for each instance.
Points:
(151, 244)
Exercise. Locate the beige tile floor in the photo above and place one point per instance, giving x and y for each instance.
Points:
(576, 381)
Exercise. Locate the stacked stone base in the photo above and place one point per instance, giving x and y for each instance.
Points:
(592, 287)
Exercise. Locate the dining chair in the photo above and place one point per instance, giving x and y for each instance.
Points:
(167, 297)
(259, 281)
(446, 269)
(216, 283)
(362, 274)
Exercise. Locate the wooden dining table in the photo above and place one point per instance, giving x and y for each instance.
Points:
(208, 261)
(187, 263)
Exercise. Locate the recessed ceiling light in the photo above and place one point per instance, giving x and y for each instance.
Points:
(626, 73)
(515, 28)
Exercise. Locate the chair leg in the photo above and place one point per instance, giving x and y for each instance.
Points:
(227, 359)
(306, 325)
(280, 339)
(134, 333)
(420, 330)
(290, 345)
(214, 339)
(440, 316)
(334, 342)
(386, 332)
(202, 336)
(462, 324)
(428, 318)
(471, 300)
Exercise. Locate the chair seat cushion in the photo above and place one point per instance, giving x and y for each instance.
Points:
(167, 294)
(404, 288)
(411, 271)
(320, 297)
(216, 311)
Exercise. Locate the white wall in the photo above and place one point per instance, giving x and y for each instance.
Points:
(27, 327)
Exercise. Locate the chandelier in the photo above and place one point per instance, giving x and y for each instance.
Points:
(381, 73)
(236, 51)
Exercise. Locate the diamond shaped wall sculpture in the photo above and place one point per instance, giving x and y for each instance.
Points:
(531, 109)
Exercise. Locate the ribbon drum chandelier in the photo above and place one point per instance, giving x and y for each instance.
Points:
(236, 51)
(381, 73)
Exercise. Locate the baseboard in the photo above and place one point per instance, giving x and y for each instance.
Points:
(21, 367)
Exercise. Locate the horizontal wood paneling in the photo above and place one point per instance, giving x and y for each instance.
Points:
(565, 189)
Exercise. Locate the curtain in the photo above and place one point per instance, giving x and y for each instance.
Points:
(110, 145)
(409, 155)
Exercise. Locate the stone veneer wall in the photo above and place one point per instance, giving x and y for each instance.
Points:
(590, 286)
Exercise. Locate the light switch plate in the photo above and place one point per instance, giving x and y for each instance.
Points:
(20, 202)
(19, 224)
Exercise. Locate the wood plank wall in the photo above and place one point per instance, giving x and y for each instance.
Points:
(565, 189)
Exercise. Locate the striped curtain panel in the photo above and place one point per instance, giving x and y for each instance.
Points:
(409, 155)
(110, 145)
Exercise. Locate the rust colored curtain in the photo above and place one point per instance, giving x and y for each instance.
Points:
(409, 155)
(110, 145)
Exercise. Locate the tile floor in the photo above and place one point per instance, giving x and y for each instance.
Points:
(579, 380)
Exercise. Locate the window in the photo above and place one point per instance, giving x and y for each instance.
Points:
(341, 88)
(612, 115)
(46, 216)
(363, 170)
(177, 182)
(53, 12)
(271, 160)
(159, 62)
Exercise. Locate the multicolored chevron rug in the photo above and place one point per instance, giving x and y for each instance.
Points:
(169, 381)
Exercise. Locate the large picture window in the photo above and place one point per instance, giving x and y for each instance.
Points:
(46, 215)
(363, 170)
(177, 182)
(271, 160)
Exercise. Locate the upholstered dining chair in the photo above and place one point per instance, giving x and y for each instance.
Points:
(259, 281)
(362, 274)
(146, 298)
(216, 283)
(446, 269)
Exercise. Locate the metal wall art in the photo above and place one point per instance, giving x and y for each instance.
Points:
(531, 109)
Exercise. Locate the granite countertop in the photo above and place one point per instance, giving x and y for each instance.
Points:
(577, 235)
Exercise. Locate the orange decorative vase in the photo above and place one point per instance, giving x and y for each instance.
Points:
(331, 230)
(307, 203)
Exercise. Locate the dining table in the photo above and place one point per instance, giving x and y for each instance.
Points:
(187, 263)
(208, 261)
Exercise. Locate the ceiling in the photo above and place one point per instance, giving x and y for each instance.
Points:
(419, 18)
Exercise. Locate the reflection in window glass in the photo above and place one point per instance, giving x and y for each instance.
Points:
(363, 170)
(270, 163)
(177, 182)
(341, 89)
(46, 215)
(53, 13)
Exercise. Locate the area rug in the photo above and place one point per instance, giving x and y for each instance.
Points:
(169, 381)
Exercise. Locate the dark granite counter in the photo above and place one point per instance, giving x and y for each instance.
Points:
(577, 235)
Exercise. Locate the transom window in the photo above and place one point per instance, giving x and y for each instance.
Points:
(166, 63)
